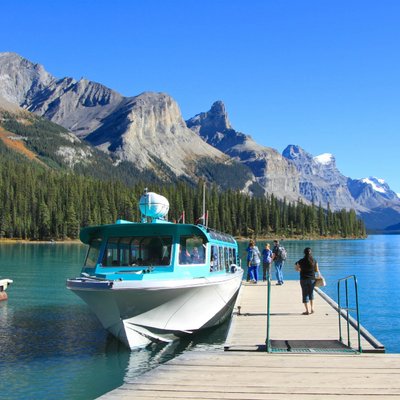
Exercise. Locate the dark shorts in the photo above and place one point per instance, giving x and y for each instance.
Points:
(307, 289)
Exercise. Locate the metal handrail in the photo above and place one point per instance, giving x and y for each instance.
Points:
(344, 311)
(268, 347)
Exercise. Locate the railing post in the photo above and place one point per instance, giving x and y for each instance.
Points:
(339, 313)
(347, 313)
(268, 340)
(358, 316)
(347, 309)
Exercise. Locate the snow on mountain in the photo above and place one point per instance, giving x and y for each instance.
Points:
(320, 181)
(379, 185)
(324, 159)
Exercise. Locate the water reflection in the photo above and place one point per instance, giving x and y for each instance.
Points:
(156, 354)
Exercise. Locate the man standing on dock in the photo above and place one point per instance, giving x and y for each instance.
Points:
(279, 257)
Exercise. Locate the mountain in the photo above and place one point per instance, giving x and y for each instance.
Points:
(146, 130)
(371, 191)
(272, 172)
(86, 127)
(320, 180)
(20, 79)
(322, 183)
(382, 203)
(52, 146)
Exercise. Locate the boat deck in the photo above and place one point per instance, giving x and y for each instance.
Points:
(246, 371)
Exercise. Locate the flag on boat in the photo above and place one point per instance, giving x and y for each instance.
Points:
(202, 218)
(182, 218)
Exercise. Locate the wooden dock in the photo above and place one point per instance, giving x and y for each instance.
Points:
(288, 327)
(246, 371)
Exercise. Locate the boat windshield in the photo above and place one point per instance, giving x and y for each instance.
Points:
(137, 251)
(93, 253)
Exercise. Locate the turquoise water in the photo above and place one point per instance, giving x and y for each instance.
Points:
(51, 346)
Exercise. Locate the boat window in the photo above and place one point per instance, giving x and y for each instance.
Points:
(137, 251)
(192, 250)
(221, 257)
(232, 256)
(93, 253)
(227, 259)
(214, 259)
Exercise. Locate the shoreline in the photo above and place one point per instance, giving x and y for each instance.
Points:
(28, 241)
(298, 238)
(238, 238)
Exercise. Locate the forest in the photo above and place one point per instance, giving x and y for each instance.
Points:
(39, 203)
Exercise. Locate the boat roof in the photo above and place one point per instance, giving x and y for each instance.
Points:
(125, 228)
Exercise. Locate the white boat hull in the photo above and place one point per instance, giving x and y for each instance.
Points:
(139, 312)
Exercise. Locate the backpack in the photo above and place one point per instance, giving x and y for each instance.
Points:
(282, 253)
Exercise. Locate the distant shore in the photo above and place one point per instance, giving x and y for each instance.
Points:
(282, 239)
(28, 241)
(239, 239)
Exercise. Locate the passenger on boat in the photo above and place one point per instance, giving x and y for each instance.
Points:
(214, 259)
(195, 256)
(212, 263)
(184, 256)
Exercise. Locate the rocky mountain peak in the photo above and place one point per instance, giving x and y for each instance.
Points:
(20, 79)
(207, 123)
(295, 152)
(219, 116)
(320, 180)
(323, 165)
(273, 173)
(148, 128)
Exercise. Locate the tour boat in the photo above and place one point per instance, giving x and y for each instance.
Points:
(155, 280)
(4, 283)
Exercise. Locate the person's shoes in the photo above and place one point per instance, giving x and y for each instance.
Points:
(312, 312)
(305, 313)
(278, 284)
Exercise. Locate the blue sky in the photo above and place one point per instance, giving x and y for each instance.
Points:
(323, 74)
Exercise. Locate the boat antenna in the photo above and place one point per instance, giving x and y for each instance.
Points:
(146, 204)
(204, 202)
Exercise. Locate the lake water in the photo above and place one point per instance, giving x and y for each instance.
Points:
(51, 346)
